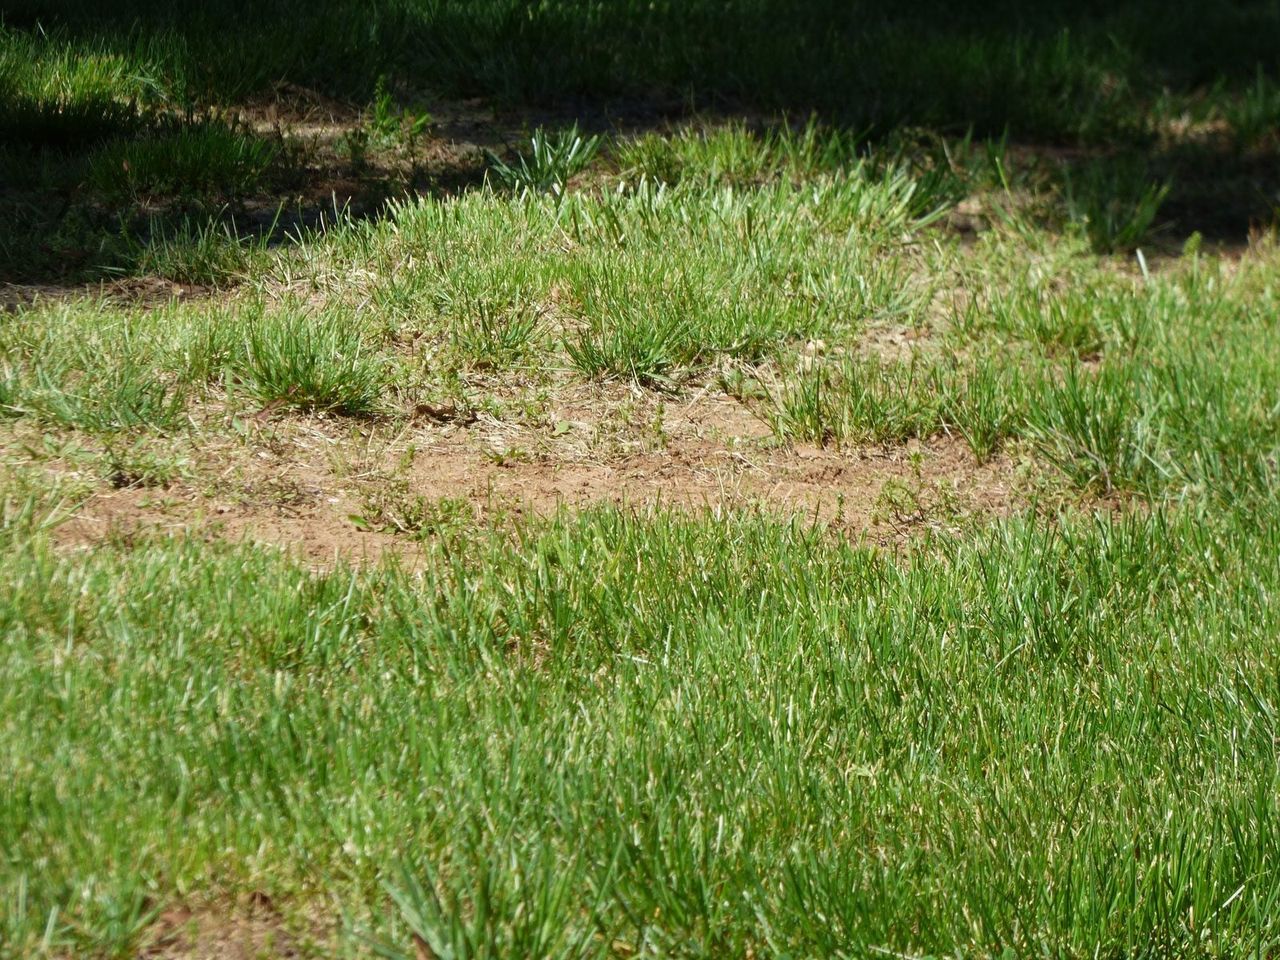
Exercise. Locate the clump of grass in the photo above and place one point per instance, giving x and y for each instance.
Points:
(307, 361)
(727, 154)
(736, 154)
(942, 173)
(1254, 115)
(122, 394)
(10, 391)
(31, 503)
(207, 251)
(495, 336)
(859, 400)
(1095, 428)
(629, 328)
(641, 342)
(60, 94)
(651, 321)
(551, 161)
(510, 901)
(1068, 325)
(208, 159)
(924, 182)
(1114, 201)
(984, 405)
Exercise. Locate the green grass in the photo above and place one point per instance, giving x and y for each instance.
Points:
(1114, 202)
(656, 733)
(196, 251)
(210, 160)
(663, 734)
(105, 116)
(307, 362)
(860, 401)
(1057, 69)
(551, 161)
(1042, 730)
(1162, 386)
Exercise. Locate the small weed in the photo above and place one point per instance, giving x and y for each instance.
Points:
(899, 501)
(389, 124)
(356, 144)
(389, 506)
(133, 463)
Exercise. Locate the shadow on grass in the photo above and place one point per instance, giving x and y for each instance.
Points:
(1058, 68)
(1163, 196)
(109, 142)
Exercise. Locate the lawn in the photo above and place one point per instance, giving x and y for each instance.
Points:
(557, 480)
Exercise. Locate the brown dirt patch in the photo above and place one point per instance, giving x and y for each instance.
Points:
(130, 291)
(322, 490)
(252, 929)
(843, 487)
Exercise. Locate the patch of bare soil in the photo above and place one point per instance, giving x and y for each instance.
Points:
(131, 291)
(325, 493)
(251, 930)
(841, 487)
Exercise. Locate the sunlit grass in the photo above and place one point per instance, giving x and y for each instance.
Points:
(713, 727)
(639, 732)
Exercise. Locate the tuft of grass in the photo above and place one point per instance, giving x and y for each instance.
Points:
(496, 336)
(984, 406)
(551, 161)
(307, 361)
(63, 94)
(208, 159)
(1114, 201)
(511, 899)
(1254, 115)
(1059, 325)
(121, 395)
(734, 154)
(10, 391)
(644, 343)
(206, 251)
(859, 400)
(1095, 428)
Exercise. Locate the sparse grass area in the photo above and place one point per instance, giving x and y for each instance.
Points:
(706, 538)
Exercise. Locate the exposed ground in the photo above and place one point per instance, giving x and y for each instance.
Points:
(311, 489)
